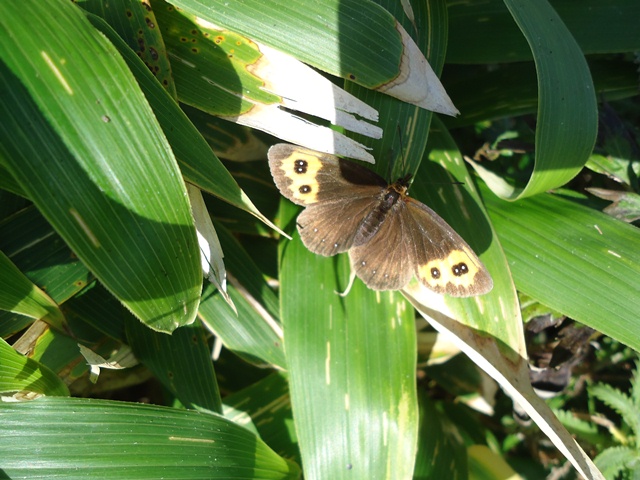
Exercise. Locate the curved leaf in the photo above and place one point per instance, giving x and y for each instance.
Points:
(375, 51)
(567, 110)
(484, 32)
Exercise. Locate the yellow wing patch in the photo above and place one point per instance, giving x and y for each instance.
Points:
(458, 269)
(302, 169)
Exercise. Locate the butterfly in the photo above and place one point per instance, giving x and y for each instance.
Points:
(390, 237)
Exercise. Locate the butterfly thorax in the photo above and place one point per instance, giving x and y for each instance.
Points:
(388, 200)
(402, 184)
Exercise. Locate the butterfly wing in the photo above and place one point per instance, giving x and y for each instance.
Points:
(411, 238)
(386, 261)
(307, 177)
(442, 260)
(328, 228)
(337, 193)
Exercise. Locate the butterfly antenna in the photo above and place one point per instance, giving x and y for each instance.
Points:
(404, 166)
(399, 133)
(390, 165)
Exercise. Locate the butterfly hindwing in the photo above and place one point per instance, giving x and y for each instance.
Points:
(385, 261)
(442, 260)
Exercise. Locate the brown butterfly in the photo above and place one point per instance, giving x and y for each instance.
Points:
(389, 236)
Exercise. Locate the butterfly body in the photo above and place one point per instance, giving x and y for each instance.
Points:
(387, 205)
(390, 236)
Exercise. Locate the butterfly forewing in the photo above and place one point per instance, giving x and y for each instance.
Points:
(329, 228)
(307, 177)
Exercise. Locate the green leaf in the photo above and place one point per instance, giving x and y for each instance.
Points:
(375, 52)
(183, 366)
(81, 140)
(38, 251)
(369, 50)
(484, 32)
(211, 67)
(485, 463)
(274, 424)
(254, 331)
(623, 170)
(198, 164)
(135, 24)
(440, 452)
(96, 307)
(577, 261)
(60, 352)
(8, 183)
(80, 438)
(511, 89)
(406, 127)
(25, 375)
(620, 402)
(567, 111)
(351, 363)
(19, 295)
(614, 460)
(584, 430)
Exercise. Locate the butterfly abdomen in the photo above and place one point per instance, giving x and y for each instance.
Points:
(371, 224)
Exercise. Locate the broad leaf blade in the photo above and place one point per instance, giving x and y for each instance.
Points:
(19, 295)
(19, 373)
(573, 259)
(375, 52)
(80, 138)
(79, 438)
(351, 363)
